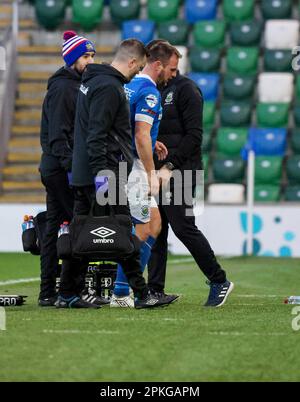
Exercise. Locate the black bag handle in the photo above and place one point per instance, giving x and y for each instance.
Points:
(111, 210)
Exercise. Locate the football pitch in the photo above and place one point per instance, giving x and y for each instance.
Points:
(250, 338)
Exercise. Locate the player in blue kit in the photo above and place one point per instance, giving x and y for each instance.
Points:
(143, 182)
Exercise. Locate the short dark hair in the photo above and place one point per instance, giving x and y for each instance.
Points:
(131, 48)
(162, 50)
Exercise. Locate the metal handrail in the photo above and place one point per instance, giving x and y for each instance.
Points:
(9, 81)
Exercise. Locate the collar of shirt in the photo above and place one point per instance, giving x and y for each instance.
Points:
(146, 76)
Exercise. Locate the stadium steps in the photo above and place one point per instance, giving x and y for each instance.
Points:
(5, 11)
(9, 171)
(33, 142)
(54, 50)
(23, 157)
(21, 179)
(29, 103)
(25, 130)
(34, 76)
(22, 186)
(23, 23)
(34, 197)
(30, 116)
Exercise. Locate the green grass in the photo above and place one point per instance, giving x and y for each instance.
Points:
(249, 339)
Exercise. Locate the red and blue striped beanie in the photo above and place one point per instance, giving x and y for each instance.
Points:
(74, 47)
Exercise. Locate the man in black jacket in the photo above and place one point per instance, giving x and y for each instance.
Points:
(103, 139)
(57, 129)
(181, 132)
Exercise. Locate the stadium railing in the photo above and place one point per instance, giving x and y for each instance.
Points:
(8, 46)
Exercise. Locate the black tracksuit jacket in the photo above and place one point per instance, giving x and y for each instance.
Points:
(181, 125)
(102, 135)
(57, 125)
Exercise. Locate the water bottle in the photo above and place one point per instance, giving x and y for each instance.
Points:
(30, 222)
(292, 300)
(64, 229)
(25, 223)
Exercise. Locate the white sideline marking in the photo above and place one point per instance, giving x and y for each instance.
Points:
(260, 296)
(248, 333)
(178, 261)
(78, 331)
(16, 281)
(148, 319)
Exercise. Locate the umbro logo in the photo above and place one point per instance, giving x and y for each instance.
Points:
(103, 232)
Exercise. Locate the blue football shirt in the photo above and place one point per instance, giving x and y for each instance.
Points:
(145, 105)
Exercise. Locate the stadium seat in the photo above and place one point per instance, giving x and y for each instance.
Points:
(176, 31)
(275, 87)
(183, 61)
(139, 29)
(226, 193)
(281, 34)
(278, 60)
(272, 114)
(50, 14)
(209, 114)
(292, 193)
(235, 114)
(208, 83)
(228, 170)
(205, 164)
(268, 141)
(276, 9)
(238, 10)
(246, 33)
(238, 86)
(205, 60)
(163, 10)
(207, 140)
(123, 10)
(268, 169)
(87, 13)
(267, 193)
(297, 115)
(293, 169)
(230, 141)
(209, 34)
(196, 10)
(242, 60)
(295, 141)
(298, 87)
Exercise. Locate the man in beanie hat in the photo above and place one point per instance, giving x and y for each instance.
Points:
(56, 135)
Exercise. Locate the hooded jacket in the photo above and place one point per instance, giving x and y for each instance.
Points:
(181, 125)
(102, 136)
(57, 125)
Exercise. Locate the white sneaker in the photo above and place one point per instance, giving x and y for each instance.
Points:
(121, 301)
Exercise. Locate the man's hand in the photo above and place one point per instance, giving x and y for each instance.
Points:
(161, 150)
(153, 183)
(164, 175)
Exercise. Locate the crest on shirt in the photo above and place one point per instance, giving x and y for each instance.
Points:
(169, 98)
(151, 100)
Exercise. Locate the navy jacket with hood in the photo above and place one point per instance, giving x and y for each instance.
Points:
(102, 135)
(57, 125)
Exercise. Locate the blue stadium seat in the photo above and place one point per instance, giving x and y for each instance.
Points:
(196, 10)
(208, 83)
(142, 30)
(268, 141)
